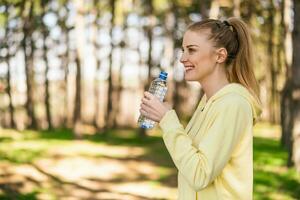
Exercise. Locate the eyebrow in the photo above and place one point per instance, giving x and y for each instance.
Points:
(191, 45)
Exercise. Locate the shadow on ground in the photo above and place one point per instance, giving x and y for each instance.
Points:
(116, 165)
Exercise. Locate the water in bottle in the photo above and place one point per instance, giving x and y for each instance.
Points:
(158, 88)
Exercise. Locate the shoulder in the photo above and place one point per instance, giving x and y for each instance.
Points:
(232, 107)
(232, 101)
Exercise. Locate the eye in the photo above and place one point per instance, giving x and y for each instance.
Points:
(190, 50)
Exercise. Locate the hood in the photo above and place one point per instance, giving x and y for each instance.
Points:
(241, 90)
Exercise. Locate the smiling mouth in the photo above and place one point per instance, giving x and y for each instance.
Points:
(188, 68)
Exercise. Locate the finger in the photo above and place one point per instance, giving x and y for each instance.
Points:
(149, 109)
(149, 103)
(146, 108)
(150, 113)
(148, 95)
(145, 100)
(143, 112)
(146, 114)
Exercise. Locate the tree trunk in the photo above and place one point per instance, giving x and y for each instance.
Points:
(272, 75)
(236, 8)
(66, 121)
(96, 11)
(77, 104)
(28, 49)
(65, 65)
(296, 84)
(9, 92)
(286, 98)
(80, 44)
(47, 85)
(119, 86)
(278, 59)
(110, 91)
(8, 78)
(286, 119)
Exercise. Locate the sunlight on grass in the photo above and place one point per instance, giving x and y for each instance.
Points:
(62, 166)
(267, 130)
(120, 165)
(272, 179)
(146, 189)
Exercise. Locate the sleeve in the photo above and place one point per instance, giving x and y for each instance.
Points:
(200, 166)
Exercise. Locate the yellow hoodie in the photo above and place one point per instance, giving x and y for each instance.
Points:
(214, 153)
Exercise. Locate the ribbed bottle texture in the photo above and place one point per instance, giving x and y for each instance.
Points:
(158, 88)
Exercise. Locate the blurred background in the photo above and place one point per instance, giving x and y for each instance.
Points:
(73, 72)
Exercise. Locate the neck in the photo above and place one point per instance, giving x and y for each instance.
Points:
(213, 84)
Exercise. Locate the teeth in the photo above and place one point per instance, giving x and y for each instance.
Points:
(188, 68)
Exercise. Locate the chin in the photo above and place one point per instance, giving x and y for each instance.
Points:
(189, 78)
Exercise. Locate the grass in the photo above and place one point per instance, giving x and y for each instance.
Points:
(52, 165)
(272, 179)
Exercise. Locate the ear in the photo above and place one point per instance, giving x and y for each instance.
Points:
(221, 55)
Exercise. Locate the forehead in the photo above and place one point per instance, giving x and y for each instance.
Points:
(196, 38)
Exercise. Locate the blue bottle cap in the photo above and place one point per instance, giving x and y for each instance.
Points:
(163, 75)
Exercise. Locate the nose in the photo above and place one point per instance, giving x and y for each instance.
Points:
(183, 58)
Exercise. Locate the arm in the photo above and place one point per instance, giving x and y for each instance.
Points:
(200, 166)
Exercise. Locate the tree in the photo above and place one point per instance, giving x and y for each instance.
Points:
(80, 44)
(271, 76)
(110, 101)
(8, 76)
(28, 49)
(296, 86)
(96, 46)
(65, 60)
(45, 33)
(290, 104)
(286, 94)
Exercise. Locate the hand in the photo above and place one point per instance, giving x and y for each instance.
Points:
(153, 108)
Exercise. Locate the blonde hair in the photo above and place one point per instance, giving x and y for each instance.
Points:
(234, 36)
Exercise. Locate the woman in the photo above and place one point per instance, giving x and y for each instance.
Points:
(214, 153)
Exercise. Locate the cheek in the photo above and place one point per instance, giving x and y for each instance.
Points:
(203, 59)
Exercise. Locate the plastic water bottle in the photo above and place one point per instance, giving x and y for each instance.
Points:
(158, 88)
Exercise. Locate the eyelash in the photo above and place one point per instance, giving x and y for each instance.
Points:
(189, 50)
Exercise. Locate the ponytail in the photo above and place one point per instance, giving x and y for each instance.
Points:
(241, 70)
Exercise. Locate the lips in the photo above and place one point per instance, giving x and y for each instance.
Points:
(188, 67)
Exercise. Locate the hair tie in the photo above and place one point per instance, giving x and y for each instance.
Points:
(231, 56)
(232, 28)
(226, 23)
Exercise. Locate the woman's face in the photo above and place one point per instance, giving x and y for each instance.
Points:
(199, 56)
